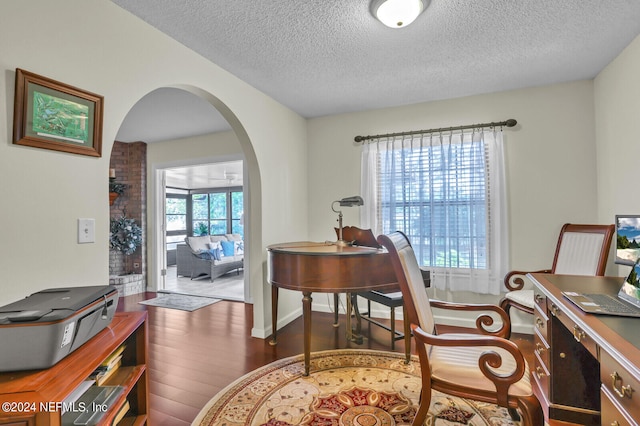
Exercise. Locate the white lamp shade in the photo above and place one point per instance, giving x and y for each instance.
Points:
(397, 13)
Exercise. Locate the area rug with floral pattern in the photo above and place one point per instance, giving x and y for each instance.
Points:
(344, 388)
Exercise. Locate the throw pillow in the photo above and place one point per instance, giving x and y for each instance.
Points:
(207, 254)
(217, 238)
(217, 253)
(216, 250)
(228, 248)
(198, 244)
(239, 247)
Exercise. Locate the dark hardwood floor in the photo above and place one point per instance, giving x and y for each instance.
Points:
(194, 355)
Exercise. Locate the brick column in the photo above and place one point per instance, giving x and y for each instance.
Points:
(130, 163)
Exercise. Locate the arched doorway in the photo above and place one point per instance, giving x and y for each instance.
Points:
(147, 113)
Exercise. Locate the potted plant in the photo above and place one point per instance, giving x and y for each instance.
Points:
(115, 189)
(201, 229)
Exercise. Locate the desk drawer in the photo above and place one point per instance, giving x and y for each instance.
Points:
(579, 334)
(611, 414)
(541, 323)
(542, 376)
(541, 348)
(540, 299)
(620, 385)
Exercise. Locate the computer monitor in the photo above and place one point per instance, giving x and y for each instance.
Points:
(627, 239)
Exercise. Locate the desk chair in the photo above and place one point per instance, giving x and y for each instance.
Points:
(393, 300)
(581, 250)
(485, 367)
(354, 236)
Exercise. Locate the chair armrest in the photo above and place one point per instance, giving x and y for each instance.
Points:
(483, 321)
(186, 248)
(488, 360)
(514, 279)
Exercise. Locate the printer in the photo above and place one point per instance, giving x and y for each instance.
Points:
(43, 328)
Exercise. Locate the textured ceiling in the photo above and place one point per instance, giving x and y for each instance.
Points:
(322, 57)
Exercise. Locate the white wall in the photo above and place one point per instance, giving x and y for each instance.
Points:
(617, 112)
(104, 49)
(204, 149)
(550, 154)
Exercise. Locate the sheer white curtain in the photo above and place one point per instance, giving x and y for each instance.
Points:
(446, 191)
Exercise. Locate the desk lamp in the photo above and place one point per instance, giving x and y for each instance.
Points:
(356, 200)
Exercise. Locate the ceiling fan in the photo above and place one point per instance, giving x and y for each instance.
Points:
(228, 176)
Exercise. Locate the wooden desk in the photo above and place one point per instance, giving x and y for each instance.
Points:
(321, 267)
(586, 366)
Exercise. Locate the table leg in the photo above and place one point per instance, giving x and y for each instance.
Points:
(336, 300)
(349, 331)
(306, 313)
(356, 335)
(274, 315)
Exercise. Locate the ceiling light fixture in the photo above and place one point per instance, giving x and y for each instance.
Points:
(398, 13)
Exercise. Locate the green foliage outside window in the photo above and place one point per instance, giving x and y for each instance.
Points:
(176, 206)
(200, 206)
(200, 229)
(217, 213)
(218, 205)
(176, 213)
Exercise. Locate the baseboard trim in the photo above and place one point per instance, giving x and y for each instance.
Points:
(263, 333)
(383, 312)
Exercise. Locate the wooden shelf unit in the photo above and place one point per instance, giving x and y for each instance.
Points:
(34, 398)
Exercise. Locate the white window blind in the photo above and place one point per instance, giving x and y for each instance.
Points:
(445, 191)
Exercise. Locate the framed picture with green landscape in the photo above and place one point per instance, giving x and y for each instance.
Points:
(53, 115)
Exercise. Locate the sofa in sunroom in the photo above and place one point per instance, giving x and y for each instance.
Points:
(210, 255)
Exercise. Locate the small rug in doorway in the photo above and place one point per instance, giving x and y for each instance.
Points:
(180, 301)
(346, 388)
(226, 287)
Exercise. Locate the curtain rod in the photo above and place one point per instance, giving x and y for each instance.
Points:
(507, 123)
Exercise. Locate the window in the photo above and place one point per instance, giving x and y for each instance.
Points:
(176, 213)
(176, 217)
(445, 192)
(437, 196)
(200, 214)
(237, 213)
(212, 211)
(216, 212)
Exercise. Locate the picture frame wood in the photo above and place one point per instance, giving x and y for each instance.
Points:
(52, 115)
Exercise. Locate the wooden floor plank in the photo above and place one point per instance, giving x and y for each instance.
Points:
(194, 355)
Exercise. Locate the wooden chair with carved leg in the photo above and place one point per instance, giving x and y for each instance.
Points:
(581, 250)
(485, 367)
(392, 300)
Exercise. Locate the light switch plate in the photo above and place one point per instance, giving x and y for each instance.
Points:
(86, 231)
